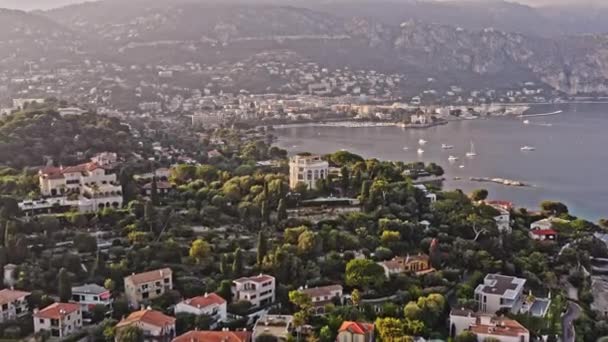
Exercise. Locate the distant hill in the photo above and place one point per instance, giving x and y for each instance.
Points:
(387, 36)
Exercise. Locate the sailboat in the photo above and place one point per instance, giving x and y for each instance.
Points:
(420, 151)
(422, 142)
(472, 152)
(452, 158)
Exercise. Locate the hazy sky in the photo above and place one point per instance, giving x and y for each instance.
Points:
(46, 4)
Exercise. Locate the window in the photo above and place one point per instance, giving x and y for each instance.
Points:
(55, 333)
(76, 298)
(157, 283)
(41, 321)
(4, 307)
(144, 286)
(158, 291)
(167, 280)
(145, 295)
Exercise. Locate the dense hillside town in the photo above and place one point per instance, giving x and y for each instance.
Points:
(122, 230)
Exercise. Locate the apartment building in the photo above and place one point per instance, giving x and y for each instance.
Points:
(258, 290)
(91, 295)
(13, 304)
(60, 319)
(307, 169)
(143, 287)
(156, 326)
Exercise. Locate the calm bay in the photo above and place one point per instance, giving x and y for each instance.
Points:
(569, 163)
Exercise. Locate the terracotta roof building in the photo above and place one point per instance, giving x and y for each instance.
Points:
(418, 264)
(487, 326)
(13, 304)
(355, 331)
(154, 324)
(60, 319)
(214, 336)
(258, 290)
(143, 287)
(210, 304)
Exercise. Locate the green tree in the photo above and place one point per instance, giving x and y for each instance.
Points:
(64, 288)
(364, 273)
(130, 333)
(262, 248)
(355, 296)
(199, 250)
(554, 208)
(466, 336)
(344, 179)
(300, 299)
(282, 210)
(479, 195)
(237, 264)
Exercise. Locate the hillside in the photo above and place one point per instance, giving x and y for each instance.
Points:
(26, 137)
(359, 36)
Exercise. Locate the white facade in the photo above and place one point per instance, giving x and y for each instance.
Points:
(258, 290)
(95, 188)
(487, 327)
(210, 304)
(279, 326)
(13, 304)
(91, 295)
(60, 319)
(503, 221)
(307, 170)
(500, 292)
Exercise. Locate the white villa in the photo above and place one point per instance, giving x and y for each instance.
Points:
(307, 169)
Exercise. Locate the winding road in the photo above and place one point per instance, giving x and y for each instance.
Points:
(572, 313)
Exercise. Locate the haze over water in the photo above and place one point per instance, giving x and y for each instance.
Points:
(570, 163)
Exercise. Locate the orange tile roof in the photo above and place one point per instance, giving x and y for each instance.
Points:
(204, 301)
(150, 276)
(8, 295)
(214, 336)
(356, 327)
(57, 310)
(500, 327)
(152, 317)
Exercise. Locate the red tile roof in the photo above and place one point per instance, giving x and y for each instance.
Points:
(204, 301)
(500, 327)
(544, 232)
(57, 310)
(150, 276)
(356, 327)
(214, 336)
(8, 295)
(151, 317)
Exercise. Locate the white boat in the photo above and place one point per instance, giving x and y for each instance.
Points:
(472, 152)
(526, 122)
(422, 142)
(452, 158)
(405, 148)
(461, 166)
(420, 151)
(447, 147)
(528, 148)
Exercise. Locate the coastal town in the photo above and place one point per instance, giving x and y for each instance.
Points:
(302, 171)
(220, 236)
